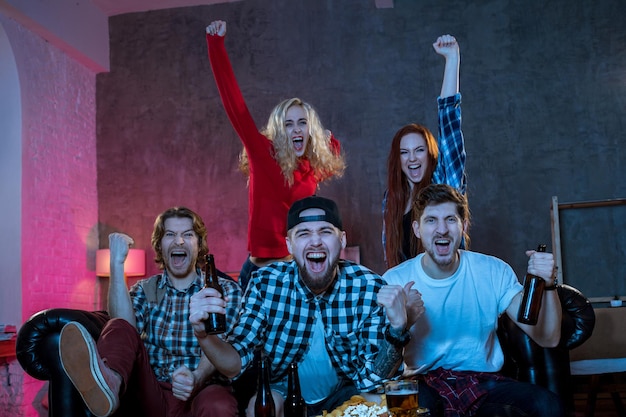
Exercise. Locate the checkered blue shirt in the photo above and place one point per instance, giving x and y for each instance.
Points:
(451, 163)
(165, 328)
(278, 313)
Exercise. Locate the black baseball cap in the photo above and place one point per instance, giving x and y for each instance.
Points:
(331, 212)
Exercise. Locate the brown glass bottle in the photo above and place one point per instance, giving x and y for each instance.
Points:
(531, 298)
(216, 322)
(294, 403)
(264, 404)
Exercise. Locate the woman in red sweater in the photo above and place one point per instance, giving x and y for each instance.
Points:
(284, 161)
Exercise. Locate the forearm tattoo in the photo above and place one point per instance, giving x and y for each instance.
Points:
(388, 360)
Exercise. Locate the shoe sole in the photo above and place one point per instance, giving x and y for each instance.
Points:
(79, 360)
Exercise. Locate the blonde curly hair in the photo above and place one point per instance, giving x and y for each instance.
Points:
(324, 161)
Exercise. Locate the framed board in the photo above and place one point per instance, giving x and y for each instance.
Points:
(589, 243)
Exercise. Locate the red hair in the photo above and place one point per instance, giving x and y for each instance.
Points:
(399, 192)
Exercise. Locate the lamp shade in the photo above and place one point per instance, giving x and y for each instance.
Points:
(134, 266)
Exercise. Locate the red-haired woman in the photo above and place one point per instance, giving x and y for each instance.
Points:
(417, 160)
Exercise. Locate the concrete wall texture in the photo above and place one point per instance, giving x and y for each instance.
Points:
(543, 97)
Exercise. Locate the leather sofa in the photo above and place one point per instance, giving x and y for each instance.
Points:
(38, 352)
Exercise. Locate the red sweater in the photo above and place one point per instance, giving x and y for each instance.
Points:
(269, 195)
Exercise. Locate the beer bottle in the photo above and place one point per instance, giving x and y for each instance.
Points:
(264, 404)
(531, 298)
(216, 322)
(294, 403)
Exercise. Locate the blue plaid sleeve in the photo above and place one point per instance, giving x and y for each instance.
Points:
(451, 163)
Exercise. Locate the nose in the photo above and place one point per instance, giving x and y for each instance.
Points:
(179, 240)
(442, 228)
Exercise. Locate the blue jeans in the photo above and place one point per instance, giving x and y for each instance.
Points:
(505, 399)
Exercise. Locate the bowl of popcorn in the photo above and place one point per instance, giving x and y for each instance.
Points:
(358, 406)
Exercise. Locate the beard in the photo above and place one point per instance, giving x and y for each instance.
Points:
(318, 283)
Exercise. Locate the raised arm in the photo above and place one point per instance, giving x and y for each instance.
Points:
(230, 93)
(447, 46)
(547, 331)
(451, 163)
(119, 302)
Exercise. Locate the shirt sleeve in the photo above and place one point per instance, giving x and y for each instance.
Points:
(232, 98)
(140, 306)
(245, 333)
(451, 163)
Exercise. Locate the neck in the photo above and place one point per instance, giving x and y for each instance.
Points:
(182, 283)
(440, 270)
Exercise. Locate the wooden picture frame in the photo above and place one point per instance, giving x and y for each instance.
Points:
(589, 244)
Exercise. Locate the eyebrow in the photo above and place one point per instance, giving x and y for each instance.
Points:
(184, 231)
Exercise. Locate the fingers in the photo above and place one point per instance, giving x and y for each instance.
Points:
(217, 27)
(120, 239)
(541, 264)
(446, 45)
(205, 301)
(183, 383)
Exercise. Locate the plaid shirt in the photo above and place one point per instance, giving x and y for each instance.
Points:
(451, 163)
(461, 391)
(450, 168)
(165, 328)
(278, 313)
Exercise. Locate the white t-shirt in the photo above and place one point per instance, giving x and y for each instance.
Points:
(458, 328)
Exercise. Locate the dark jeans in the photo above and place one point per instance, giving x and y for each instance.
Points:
(246, 271)
(505, 399)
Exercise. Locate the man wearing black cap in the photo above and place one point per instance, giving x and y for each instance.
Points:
(318, 311)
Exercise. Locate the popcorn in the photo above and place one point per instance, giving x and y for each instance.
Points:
(357, 406)
(362, 410)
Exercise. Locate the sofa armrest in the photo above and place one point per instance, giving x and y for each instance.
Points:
(37, 351)
(37, 345)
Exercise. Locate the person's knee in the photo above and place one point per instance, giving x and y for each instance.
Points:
(215, 401)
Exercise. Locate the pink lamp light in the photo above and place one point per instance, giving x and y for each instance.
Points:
(134, 266)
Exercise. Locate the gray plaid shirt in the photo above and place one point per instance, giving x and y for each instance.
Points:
(165, 328)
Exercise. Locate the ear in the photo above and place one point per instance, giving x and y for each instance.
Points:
(416, 228)
(343, 240)
(288, 245)
(465, 226)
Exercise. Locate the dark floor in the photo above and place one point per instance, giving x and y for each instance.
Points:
(610, 399)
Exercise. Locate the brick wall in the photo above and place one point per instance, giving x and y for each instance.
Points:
(59, 197)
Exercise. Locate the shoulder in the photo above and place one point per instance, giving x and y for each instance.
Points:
(475, 260)
(146, 284)
(229, 286)
(358, 275)
(404, 272)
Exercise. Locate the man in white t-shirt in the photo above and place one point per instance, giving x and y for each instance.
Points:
(454, 349)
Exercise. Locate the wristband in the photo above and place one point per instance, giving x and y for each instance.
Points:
(400, 341)
(550, 287)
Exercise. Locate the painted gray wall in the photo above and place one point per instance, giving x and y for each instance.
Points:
(543, 89)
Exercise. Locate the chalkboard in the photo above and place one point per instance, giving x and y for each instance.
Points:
(589, 240)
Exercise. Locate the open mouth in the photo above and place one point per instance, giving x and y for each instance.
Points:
(178, 258)
(316, 261)
(442, 246)
(298, 143)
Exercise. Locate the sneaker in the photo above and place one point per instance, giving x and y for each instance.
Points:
(97, 383)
